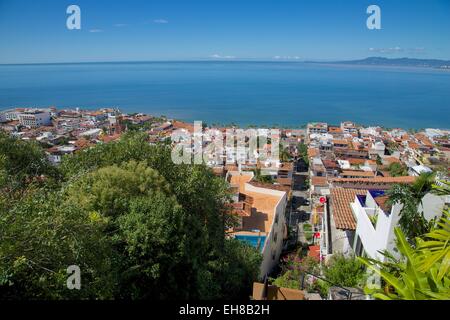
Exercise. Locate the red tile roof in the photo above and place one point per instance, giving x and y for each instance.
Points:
(330, 164)
(406, 179)
(319, 181)
(313, 152)
(341, 210)
(355, 161)
(355, 173)
(183, 125)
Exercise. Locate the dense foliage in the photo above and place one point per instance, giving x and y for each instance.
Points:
(422, 272)
(303, 153)
(412, 221)
(138, 226)
(338, 271)
(397, 169)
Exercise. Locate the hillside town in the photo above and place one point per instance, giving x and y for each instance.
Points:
(327, 194)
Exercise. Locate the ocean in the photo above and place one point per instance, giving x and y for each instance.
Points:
(245, 93)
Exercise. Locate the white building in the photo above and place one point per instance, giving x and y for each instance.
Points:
(35, 118)
(418, 170)
(93, 133)
(262, 217)
(12, 115)
(375, 222)
(349, 127)
(378, 148)
(3, 117)
(317, 127)
(55, 154)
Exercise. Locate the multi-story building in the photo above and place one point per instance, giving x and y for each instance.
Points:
(261, 212)
(319, 127)
(349, 127)
(13, 115)
(376, 220)
(362, 222)
(3, 117)
(377, 149)
(35, 118)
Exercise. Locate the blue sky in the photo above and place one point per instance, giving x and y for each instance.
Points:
(136, 30)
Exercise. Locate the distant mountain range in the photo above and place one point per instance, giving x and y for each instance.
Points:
(400, 62)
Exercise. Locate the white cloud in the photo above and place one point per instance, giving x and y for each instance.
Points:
(398, 49)
(219, 56)
(286, 58)
(119, 25)
(387, 50)
(95, 30)
(161, 21)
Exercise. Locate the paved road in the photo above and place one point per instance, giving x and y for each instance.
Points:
(300, 210)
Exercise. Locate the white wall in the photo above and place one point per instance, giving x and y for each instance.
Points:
(382, 237)
(378, 238)
(270, 246)
(432, 206)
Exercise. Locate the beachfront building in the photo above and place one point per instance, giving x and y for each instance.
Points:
(349, 127)
(3, 117)
(35, 118)
(260, 209)
(317, 127)
(13, 115)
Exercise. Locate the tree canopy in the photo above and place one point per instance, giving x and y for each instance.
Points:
(137, 225)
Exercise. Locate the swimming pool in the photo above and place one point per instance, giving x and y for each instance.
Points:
(252, 240)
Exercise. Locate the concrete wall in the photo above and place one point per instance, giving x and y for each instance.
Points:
(378, 238)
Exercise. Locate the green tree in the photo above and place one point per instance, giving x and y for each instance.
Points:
(422, 272)
(345, 271)
(41, 237)
(303, 153)
(21, 163)
(412, 222)
(285, 155)
(411, 280)
(261, 177)
(139, 226)
(397, 170)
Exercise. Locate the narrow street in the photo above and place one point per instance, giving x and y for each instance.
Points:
(300, 211)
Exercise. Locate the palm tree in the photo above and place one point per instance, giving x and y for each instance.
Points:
(412, 222)
(435, 248)
(408, 279)
(443, 189)
(423, 272)
(285, 156)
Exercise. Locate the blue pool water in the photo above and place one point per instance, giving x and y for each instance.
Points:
(252, 240)
(259, 93)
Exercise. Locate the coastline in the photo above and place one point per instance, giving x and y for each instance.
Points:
(277, 94)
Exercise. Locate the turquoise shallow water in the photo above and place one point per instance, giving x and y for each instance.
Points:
(262, 93)
(254, 241)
